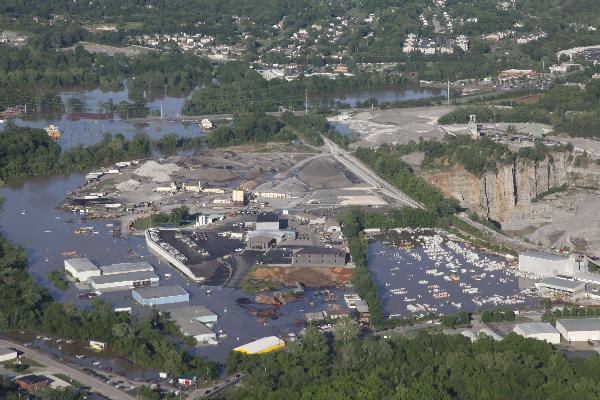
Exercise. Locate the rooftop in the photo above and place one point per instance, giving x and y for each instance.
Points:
(585, 324)
(160, 291)
(81, 264)
(186, 318)
(260, 344)
(545, 256)
(129, 276)
(122, 268)
(33, 379)
(319, 250)
(267, 217)
(5, 351)
(532, 328)
(560, 283)
(191, 312)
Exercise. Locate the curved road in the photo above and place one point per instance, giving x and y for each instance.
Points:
(85, 379)
(370, 177)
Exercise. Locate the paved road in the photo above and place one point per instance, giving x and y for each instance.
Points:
(505, 240)
(370, 177)
(85, 379)
(400, 330)
(217, 388)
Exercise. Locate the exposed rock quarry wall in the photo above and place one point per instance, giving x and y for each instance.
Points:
(512, 186)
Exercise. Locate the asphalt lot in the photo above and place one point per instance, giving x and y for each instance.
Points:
(87, 380)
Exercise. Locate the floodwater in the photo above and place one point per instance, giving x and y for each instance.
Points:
(88, 131)
(411, 267)
(385, 95)
(29, 218)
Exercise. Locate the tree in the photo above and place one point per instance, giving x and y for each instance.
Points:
(486, 316)
(346, 330)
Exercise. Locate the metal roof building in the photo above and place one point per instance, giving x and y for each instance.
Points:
(124, 281)
(320, 256)
(490, 333)
(539, 331)
(264, 345)
(579, 330)
(123, 268)
(190, 320)
(81, 268)
(159, 295)
(7, 354)
(560, 287)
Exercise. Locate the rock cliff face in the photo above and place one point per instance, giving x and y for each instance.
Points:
(512, 186)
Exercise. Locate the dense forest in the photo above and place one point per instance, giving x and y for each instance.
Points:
(387, 162)
(26, 152)
(31, 76)
(250, 128)
(436, 367)
(476, 156)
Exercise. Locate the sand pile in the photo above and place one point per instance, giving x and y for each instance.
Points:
(128, 186)
(157, 172)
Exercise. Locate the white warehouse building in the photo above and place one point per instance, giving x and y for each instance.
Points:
(128, 280)
(123, 268)
(545, 264)
(539, 331)
(81, 268)
(579, 330)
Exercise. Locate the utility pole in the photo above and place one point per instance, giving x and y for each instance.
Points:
(448, 93)
(305, 102)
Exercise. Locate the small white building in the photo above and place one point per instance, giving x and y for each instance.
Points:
(539, 331)
(579, 330)
(81, 268)
(7, 354)
(469, 334)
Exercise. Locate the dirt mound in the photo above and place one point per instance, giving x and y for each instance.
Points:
(157, 172)
(312, 277)
(323, 173)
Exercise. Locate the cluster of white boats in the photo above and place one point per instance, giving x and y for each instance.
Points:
(442, 260)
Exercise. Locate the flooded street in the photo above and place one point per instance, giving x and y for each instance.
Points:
(353, 98)
(89, 131)
(419, 272)
(29, 218)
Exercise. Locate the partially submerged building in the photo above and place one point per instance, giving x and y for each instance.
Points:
(260, 346)
(565, 289)
(123, 268)
(123, 281)
(190, 320)
(160, 295)
(81, 268)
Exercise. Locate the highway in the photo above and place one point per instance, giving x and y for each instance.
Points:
(85, 379)
(368, 176)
